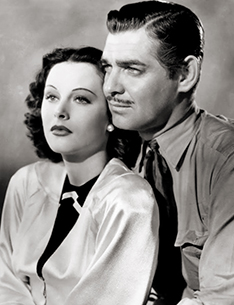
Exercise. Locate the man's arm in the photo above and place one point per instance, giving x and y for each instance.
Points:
(216, 266)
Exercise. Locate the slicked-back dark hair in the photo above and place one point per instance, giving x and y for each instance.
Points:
(121, 144)
(176, 28)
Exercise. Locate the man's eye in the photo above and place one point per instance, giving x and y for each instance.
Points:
(82, 100)
(133, 71)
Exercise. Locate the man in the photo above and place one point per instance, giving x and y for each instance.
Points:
(152, 58)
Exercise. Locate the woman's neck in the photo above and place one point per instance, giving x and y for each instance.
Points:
(83, 171)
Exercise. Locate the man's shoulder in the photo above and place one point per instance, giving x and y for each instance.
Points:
(217, 132)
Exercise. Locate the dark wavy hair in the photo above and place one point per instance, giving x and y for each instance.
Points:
(121, 144)
(176, 28)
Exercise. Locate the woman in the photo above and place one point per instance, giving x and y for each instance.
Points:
(78, 227)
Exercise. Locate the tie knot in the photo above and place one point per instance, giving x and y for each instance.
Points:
(154, 153)
(148, 150)
(67, 201)
(69, 198)
(153, 144)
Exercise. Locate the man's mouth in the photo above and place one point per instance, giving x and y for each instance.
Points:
(119, 103)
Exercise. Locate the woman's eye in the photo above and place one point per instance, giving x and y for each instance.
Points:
(82, 100)
(51, 98)
(106, 68)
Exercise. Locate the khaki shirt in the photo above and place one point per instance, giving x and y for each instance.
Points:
(200, 154)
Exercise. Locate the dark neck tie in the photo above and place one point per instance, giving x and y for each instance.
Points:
(67, 216)
(168, 280)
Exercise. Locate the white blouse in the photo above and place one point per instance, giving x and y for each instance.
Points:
(108, 258)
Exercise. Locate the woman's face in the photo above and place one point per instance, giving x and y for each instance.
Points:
(74, 111)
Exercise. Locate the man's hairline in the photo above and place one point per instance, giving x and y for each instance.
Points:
(153, 41)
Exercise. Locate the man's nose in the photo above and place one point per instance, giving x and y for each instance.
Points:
(61, 111)
(113, 84)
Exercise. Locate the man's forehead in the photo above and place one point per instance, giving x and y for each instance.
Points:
(134, 42)
(127, 38)
(134, 34)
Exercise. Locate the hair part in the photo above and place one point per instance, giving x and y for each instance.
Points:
(174, 30)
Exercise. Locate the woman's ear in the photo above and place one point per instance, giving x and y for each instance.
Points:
(189, 75)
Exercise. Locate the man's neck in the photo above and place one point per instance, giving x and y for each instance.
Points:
(179, 114)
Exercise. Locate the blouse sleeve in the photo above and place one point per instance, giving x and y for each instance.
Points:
(124, 263)
(12, 289)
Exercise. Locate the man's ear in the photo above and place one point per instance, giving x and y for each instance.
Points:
(189, 75)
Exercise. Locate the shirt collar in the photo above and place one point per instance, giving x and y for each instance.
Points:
(173, 142)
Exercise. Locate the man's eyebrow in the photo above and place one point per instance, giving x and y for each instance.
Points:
(131, 62)
(125, 63)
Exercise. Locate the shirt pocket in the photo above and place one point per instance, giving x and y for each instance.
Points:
(191, 244)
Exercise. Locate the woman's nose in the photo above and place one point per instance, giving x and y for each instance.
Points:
(113, 84)
(61, 112)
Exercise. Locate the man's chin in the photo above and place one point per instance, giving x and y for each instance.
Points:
(120, 122)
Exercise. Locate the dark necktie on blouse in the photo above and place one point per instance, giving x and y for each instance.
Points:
(168, 280)
(67, 216)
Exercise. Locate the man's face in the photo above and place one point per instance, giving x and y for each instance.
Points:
(140, 95)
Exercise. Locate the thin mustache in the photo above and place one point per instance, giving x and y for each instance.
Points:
(60, 127)
(114, 99)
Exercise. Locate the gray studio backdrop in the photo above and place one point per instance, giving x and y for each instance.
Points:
(30, 28)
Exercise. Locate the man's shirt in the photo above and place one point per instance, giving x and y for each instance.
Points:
(200, 154)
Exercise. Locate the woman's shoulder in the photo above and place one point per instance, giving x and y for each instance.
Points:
(118, 184)
(41, 173)
(118, 173)
(38, 168)
(26, 172)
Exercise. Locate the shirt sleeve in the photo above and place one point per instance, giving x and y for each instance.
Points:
(124, 263)
(216, 268)
(12, 289)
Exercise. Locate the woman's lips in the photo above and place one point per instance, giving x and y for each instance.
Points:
(60, 130)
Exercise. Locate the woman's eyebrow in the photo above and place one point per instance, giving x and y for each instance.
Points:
(48, 85)
(77, 89)
(104, 61)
